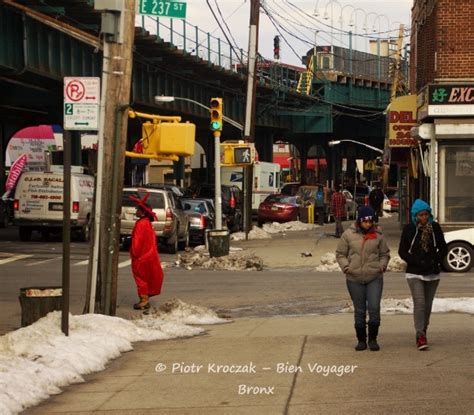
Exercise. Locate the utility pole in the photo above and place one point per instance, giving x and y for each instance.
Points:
(116, 86)
(398, 55)
(249, 128)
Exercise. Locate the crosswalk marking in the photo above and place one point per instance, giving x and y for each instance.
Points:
(6, 258)
(125, 263)
(43, 261)
(14, 258)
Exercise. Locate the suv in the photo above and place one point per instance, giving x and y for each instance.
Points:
(231, 202)
(172, 226)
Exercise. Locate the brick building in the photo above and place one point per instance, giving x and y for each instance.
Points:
(442, 76)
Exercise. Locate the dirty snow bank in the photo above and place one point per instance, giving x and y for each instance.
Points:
(440, 305)
(296, 225)
(236, 260)
(255, 233)
(38, 360)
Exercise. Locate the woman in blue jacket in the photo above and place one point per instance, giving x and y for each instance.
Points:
(422, 247)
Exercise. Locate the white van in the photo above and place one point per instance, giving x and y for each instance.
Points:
(38, 204)
(266, 180)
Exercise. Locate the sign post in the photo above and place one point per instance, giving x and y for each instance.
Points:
(81, 112)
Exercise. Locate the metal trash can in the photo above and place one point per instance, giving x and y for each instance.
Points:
(36, 302)
(218, 242)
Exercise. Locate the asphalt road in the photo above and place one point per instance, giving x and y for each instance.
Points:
(236, 293)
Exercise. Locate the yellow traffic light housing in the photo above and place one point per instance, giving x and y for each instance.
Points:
(237, 154)
(216, 114)
(165, 138)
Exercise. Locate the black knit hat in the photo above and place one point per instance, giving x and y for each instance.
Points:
(365, 213)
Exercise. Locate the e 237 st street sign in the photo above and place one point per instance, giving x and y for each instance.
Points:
(165, 8)
(81, 103)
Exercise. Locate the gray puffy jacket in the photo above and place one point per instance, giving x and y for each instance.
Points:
(362, 260)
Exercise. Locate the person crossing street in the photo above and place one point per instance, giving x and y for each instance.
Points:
(338, 209)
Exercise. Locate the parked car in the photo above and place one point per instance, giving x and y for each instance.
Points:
(361, 194)
(172, 226)
(201, 216)
(351, 205)
(231, 202)
(290, 189)
(38, 204)
(386, 206)
(176, 190)
(279, 208)
(460, 250)
(394, 200)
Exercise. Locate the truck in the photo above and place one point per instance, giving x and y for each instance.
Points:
(266, 180)
(38, 204)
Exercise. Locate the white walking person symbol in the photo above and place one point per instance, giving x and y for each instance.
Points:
(246, 156)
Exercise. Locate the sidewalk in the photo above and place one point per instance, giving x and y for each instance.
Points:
(284, 250)
(397, 379)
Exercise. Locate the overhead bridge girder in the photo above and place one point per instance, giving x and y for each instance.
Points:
(30, 46)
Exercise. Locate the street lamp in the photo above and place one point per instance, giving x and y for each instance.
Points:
(162, 99)
(336, 142)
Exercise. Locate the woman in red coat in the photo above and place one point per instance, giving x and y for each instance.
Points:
(146, 266)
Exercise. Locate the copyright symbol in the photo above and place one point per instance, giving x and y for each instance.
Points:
(160, 368)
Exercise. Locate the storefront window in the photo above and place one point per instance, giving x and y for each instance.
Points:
(456, 199)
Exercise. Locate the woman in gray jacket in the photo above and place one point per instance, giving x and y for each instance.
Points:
(363, 256)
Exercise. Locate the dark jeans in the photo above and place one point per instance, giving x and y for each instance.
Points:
(423, 293)
(366, 297)
(320, 213)
(339, 228)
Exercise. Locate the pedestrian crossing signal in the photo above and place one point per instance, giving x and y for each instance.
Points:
(243, 155)
(216, 114)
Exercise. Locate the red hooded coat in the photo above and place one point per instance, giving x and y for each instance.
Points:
(146, 266)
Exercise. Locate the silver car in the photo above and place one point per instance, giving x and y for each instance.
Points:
(172, 226)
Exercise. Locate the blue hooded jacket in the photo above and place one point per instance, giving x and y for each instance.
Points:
(418, 261)
(420, 206)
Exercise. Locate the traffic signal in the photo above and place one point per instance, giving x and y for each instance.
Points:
(243, 155)
(237, 154)
(276, 47)
(216, 114)
(168, 138)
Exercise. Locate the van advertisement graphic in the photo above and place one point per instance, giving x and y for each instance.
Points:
(33, 142)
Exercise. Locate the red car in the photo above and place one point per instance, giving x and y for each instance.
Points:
(279, 208)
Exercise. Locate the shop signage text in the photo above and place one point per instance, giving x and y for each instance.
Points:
(451, 100)
(401, 119)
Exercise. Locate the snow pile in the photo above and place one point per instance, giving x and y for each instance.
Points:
(178, 311)
(296, 225)
(396, 264)
(255, 233)
(328, 263)
(232, 262)
(440, 305)
(386, 215)
(36, 361)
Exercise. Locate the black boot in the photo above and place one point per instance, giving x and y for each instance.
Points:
(373, 332)
(362, 338)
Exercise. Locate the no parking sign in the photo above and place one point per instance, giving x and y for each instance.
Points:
(81, 103)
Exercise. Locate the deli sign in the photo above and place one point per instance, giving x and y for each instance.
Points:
(401, 119)
(449, 100)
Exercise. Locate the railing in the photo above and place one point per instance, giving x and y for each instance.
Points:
(195, 41)
(203, 45)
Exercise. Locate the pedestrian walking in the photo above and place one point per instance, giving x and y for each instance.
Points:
(422, 247)
(363, 256)
(146, 265)
(376, 197)
(319, 204)
(338, 209)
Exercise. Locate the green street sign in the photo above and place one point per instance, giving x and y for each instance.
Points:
(165, 8)
(68, 109)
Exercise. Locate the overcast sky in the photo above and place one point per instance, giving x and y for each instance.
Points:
(299, 25)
